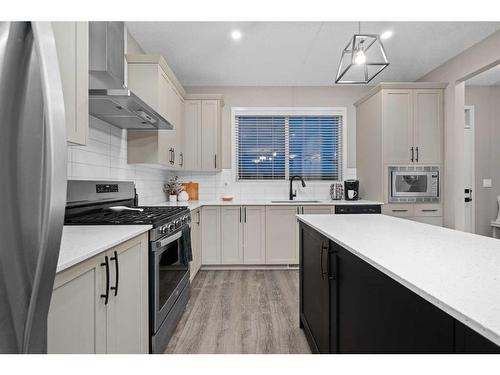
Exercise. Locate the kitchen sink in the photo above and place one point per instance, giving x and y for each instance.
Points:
(296, 201)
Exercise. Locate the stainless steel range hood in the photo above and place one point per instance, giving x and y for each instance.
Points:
(109, 99)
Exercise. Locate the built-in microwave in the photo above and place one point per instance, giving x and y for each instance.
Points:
(414, 184)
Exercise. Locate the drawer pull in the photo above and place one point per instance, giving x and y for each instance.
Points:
(400, 210)
(430, 210)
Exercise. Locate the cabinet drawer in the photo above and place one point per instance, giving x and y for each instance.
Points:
(399, 210)
(428, 210)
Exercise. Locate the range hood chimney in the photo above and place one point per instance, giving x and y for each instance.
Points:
(109, 98)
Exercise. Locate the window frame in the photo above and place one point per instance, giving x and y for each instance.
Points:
(287, 112)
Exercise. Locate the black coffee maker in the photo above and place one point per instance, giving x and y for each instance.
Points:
(351, 190)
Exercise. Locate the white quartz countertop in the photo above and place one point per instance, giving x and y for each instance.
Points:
(456, 271)
(193, 205)
(81, 242)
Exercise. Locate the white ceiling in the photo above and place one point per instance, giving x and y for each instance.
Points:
(298, 53)
(490, 77)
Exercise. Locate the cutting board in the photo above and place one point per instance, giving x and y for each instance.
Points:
(192, 189)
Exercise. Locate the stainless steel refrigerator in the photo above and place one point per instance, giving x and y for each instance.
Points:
(32, 182)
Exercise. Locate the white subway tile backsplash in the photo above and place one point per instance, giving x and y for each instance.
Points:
(105, 158)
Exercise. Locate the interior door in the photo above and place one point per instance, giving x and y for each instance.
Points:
(428, 126)
(315, 291)
(397, 126)
(469, 170)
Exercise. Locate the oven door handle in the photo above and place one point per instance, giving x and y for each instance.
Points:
(168, 240)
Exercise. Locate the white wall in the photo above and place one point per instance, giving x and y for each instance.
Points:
(479, 57)
(105, 158)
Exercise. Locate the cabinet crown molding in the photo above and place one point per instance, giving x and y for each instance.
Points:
(400, 85)
(160, 60)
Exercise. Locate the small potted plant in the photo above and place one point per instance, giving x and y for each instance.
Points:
(172, 188)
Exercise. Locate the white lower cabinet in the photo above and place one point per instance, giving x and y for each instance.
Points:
(281, 235)
(195, 264)
(79, 321)
(254, 234)
(210, 235)
(231, 235)
(309, 210)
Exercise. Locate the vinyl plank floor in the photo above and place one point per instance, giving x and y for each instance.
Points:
(241, 312)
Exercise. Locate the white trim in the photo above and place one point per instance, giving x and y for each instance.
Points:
(473, 172)
(287, 111)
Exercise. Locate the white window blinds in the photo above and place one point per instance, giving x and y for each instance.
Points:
(260, 150)
(315, 145)
(277, 147)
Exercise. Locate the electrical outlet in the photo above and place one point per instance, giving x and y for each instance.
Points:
(487, 183)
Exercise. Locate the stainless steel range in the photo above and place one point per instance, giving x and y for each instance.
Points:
(115, 203)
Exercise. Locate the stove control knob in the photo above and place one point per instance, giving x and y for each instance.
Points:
(171, 227)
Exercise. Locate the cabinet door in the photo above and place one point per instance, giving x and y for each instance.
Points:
(192, 123)
(210, 235)
(254, 235)
(428, 126)
(77, 315)
(195, 243)
(180, 148)
(210, 134)
(166, 138)
(281, 235)
(309, 210)
(314, 288)
(72, 50)
(231, 235)
(376, 314)
(127, 313)
(397, 119)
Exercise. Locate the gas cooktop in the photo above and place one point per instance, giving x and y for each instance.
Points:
(150, 215)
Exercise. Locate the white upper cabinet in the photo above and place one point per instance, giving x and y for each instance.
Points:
(73, 55)
(192, 117)
(202, 134)
(398, 126)
(151, 79)
(412, 126)
(428, 126)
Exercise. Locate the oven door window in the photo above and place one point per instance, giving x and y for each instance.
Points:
(170, 271)
(410, 184)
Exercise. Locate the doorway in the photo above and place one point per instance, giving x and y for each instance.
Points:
(469, 173)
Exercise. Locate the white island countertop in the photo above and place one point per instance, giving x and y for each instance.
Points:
(456, 271)
(81, 242)
(193, 205)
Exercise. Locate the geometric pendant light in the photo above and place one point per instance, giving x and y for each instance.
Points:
(363, 58)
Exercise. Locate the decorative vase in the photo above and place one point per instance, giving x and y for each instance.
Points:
(183, 196)
(172, 198)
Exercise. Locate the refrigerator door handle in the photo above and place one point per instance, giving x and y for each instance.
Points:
(53, 188)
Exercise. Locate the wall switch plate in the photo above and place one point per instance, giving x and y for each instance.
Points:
(487, 183)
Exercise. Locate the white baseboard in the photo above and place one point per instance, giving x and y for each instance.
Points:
(248, 267)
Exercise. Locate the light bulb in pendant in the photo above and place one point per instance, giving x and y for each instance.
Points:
(360, 57)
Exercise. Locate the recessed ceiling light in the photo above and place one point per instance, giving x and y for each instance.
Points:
(236, 35)
(386, 35)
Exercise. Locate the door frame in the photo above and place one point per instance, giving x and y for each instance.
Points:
(473, 172)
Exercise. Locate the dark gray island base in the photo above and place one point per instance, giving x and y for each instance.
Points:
(348, 306)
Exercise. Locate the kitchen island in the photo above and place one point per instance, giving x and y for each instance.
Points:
(379, 284)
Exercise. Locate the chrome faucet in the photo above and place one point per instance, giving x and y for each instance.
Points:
(292, 194)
